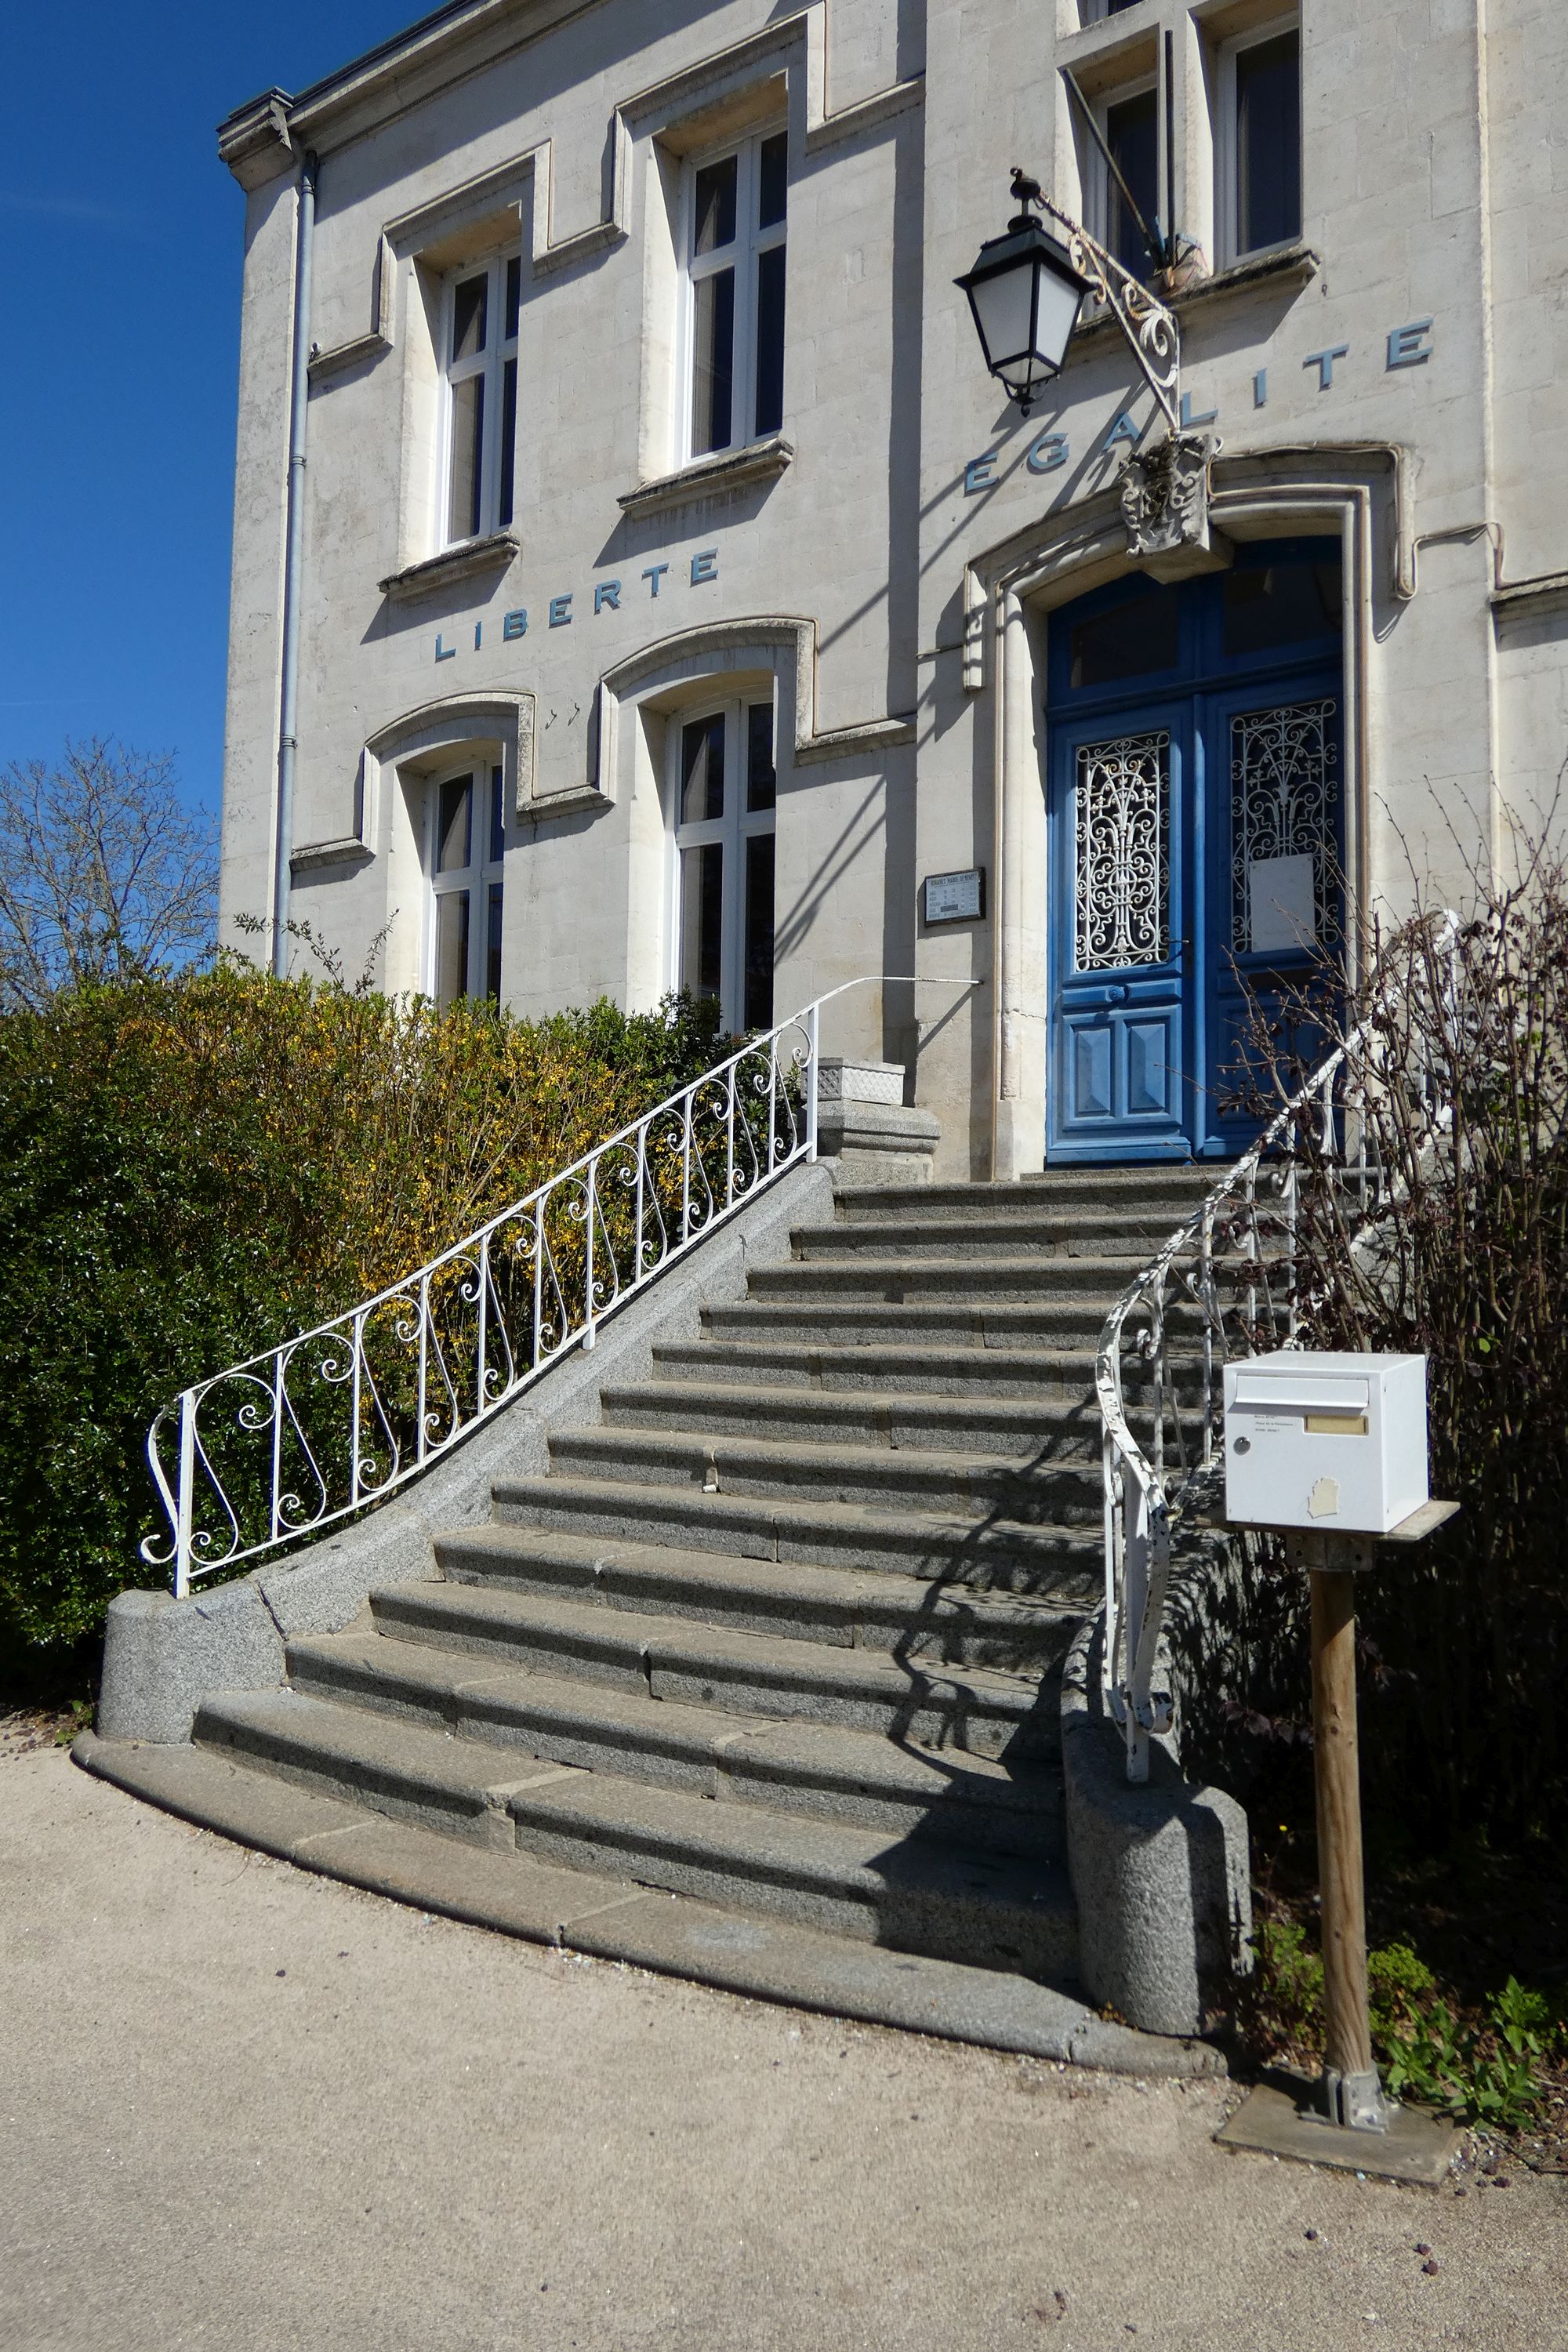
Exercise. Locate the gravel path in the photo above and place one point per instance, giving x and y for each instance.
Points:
(243, 2107)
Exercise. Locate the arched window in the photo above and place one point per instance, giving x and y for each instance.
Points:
(466, 815)
(723, 789)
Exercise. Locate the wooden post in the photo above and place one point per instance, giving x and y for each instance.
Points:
(1354, 2094)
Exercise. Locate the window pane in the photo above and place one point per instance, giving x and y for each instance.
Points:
(471, 311)
(466, 502)
(770, 340)
(1280, 605)
(762, 783)
(514, 297)
(701, 917)
(453, 824)
(498, 817)
(508, 443)
(713, 361)
(772, 193)
(492, 942)
(451, 946)
(758, 1013)
(702, 770)
(1269, 143)
(1133, 135)
(1135, 637)
(714, 221)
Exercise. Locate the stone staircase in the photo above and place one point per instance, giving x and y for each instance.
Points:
(783, 1631)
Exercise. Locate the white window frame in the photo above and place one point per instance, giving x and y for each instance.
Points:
(1097, 181)
(741, 257)
(492, 365)
(734, 829)
(486, 778)
(1227, 153)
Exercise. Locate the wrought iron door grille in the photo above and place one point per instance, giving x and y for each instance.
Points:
(1123, 866)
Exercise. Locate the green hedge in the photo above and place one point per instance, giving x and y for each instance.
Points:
(193, 1169)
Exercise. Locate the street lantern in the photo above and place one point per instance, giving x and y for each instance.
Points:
(1026, 294)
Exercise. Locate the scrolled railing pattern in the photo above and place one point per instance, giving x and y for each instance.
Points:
(281, 1446)
(1230, 1267)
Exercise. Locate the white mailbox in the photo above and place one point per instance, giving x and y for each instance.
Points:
(1331, 1442)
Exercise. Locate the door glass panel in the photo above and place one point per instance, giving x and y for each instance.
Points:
(762, 783)
(1132, 136)
(1284, 794)
(498, 817)
(454, 826)
(451, 946)
(702, 770)
(1122, 836)
(1133, 639)
(702, 919)
(713, 361)
(759, 973)
(1284, 604)
(714, 224)
(1269, 143)
(493, 941)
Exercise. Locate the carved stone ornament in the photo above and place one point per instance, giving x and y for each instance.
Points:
(1165, 504)
(526, 713)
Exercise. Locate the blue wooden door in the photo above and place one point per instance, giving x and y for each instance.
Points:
(1194, 831)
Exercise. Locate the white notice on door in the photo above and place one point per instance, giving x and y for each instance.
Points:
(1282, 903)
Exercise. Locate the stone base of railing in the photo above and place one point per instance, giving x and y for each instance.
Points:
(1159, 1872)
(866, 1130)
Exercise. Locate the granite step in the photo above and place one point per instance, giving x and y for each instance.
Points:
(1045, 1428)
(995, 1553)
(1026, 1488)
(814, 1768)
(938, 1370)
(1028, 1321)
(1082, 1233)
(980, 1281)
(1173, 1192)
(981, 1711)
(745, 1953)
(851, 1608)
(848, 1878)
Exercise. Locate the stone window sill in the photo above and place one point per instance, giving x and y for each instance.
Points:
(313, 855)
(490, 555)
(1291, 266)
(709, 477)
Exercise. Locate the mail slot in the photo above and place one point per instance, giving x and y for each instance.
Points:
(1325, 1441)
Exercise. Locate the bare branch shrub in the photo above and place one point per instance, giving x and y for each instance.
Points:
(1463, 1258)
(104, 875)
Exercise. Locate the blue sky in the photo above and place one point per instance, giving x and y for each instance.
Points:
(120, 260)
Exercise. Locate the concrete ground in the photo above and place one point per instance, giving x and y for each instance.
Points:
(243, 2107)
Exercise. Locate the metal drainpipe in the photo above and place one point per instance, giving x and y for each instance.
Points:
(292, 565)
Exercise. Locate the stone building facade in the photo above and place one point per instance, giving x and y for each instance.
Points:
(672, 596)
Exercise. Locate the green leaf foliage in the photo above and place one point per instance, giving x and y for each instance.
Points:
(193, 1169)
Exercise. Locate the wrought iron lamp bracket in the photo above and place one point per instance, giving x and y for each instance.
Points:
(1150, 330)
(1165, 489)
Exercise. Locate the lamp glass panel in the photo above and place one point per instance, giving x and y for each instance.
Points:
(1002, 309)
(1060, 304)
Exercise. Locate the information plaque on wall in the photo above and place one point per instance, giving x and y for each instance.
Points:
(955, 897)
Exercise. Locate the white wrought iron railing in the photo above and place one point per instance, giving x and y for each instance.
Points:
(1230, 1267)
(277, 1448)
